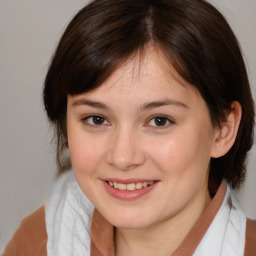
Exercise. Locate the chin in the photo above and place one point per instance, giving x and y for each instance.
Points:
(130, 221)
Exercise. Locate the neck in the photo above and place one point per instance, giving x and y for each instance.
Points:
(163, 237)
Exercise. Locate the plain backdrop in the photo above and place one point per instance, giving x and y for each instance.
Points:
(29, 32)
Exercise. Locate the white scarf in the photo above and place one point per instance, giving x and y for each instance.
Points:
(69, 213)
(68, 219)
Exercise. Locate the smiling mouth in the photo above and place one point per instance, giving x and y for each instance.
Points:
(130, 186)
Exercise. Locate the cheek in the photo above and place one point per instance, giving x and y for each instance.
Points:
(182, 152)
(85, 152)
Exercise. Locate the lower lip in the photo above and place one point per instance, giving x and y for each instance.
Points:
(127, 194)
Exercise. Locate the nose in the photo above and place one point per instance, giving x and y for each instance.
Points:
(125, 152)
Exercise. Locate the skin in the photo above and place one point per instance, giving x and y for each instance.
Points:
(128, 143)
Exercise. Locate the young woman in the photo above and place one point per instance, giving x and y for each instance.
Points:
(152, 102)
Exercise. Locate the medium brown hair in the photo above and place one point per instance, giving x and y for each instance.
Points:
(194, 37)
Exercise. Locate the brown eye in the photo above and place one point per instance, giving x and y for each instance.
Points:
(160, 121)
(97, 120)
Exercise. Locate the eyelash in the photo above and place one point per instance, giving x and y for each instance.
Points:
(164, 118)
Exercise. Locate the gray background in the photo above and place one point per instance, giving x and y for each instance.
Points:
(29, 31)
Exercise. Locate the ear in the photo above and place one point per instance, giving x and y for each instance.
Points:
(225, 136)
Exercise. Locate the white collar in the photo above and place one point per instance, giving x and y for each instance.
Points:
(226, 234)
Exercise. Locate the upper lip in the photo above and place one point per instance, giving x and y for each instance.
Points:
(128, 181)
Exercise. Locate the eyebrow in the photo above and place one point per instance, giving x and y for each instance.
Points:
(144, 107)
(166, 102)
(90, 103)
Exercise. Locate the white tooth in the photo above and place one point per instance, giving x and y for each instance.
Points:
(121, 186)
(138, 185)
(131, 186)
(144, 184)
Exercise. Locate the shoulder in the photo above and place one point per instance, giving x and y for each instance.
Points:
(30, 238)
(250, 238)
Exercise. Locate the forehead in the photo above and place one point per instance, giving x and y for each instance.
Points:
(150, 71)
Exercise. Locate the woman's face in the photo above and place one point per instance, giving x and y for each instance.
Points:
(140, 145)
